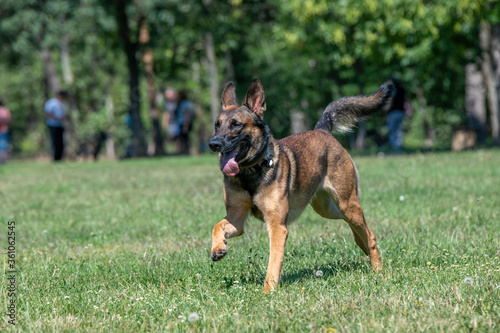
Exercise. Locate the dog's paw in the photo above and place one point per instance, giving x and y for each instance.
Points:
(218, 253)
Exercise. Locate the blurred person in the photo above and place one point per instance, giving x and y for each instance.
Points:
(55, 115)
(5, 118)
(169, 119)
(396, 114)
(184, 117)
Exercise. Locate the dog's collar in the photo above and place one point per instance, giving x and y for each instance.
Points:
(259, 157)
(267, 161)
(263, 158)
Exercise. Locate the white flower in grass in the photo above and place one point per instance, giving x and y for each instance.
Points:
(319, 273)
(468, 280)
(193, 317)
(401, 198)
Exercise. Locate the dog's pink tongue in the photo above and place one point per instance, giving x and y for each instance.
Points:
(229, 165)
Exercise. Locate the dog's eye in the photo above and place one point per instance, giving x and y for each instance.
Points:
(217, 124)
(236, 124)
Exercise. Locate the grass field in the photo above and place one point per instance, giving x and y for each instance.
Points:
(124, 246)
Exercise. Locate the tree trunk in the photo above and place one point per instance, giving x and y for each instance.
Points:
(489, 79)
(213, 77)
(65, 61)
(110, 111)
(359, 142)
(474, 101)
(495, 57)
(357, 139)
(50, 73)
(228, 59)
(138, 141)
(430, 133)
(299, 122)
(147, 58)
(70, 134)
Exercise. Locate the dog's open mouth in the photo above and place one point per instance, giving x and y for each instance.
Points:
(229, 165)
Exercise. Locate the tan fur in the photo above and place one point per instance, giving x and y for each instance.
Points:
(308, 168)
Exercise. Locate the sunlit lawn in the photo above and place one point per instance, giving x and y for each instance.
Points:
(124, 246)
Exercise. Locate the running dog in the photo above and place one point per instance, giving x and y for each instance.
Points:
(274, 180)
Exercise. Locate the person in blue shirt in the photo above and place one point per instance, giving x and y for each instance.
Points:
(55, 115)
(396, 115)
(169, 120)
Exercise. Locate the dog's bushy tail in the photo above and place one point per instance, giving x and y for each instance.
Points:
(341, 115)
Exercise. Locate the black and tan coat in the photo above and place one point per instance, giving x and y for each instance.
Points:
(275, 180)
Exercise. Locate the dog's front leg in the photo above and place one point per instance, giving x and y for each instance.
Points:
(278, 234)
(275, 210)
(230, 226)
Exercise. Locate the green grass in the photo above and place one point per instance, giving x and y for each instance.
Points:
(124, 246)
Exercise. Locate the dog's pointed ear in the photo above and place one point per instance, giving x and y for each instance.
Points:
(255, 99)
(228, 96)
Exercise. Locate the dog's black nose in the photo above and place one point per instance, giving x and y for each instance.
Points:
(215, 144)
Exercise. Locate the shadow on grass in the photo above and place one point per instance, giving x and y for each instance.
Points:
(257, 275)
(385, 152)
(323, 271)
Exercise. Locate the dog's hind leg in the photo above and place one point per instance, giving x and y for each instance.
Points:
(360, 242)
(363, 236)
(324, 204)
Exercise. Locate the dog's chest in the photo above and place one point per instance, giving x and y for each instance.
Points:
(256, 182)
(250, 181)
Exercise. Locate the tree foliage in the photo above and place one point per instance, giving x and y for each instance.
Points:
(306, 52)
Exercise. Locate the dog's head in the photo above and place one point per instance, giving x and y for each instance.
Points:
(241, 137)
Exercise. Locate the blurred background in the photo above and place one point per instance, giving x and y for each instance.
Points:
(116, 59)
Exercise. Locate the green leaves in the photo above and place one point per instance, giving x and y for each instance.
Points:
(307, 52)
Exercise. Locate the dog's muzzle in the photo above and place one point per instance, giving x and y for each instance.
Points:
(215, 144)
